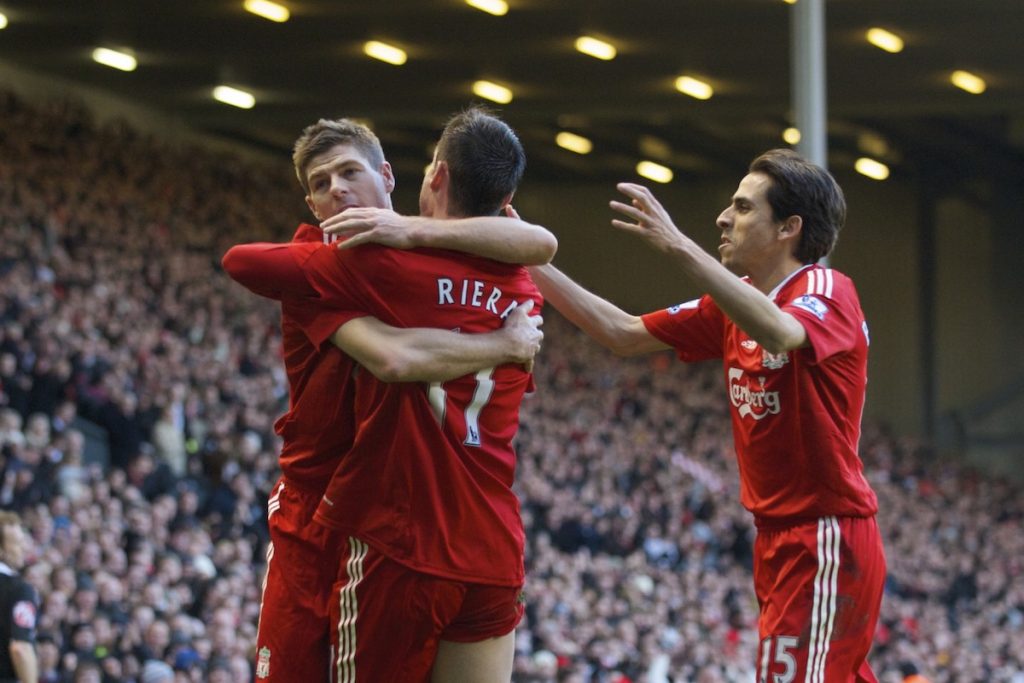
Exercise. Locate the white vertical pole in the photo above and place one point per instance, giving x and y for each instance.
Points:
(807, 29)
(807, 36)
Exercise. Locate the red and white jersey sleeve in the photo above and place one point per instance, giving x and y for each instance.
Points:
(320, 423)
(700, 320)
(429, 478)
(795, 415)
(318, 427)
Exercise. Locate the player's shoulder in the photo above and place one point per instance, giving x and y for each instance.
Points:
(307, 232)
(373, 260)
(375, 256)
(817, 289)
(818, 281)
(441, 260)
(313, 254)
(484, 266)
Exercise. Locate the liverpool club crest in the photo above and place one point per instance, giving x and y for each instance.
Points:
(263, 663)
(774, 361)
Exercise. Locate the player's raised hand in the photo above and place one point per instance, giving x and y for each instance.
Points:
(523, 334)
(366, 225)
(648, 217)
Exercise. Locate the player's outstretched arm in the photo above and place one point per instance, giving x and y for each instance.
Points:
(395, 354)
(268, 269)
(610, 326)
(750, 309)
(502, 238)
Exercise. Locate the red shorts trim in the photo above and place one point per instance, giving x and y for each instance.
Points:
(293, 637)
(820, 589)
(390, 619)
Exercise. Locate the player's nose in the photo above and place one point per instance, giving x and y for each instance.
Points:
(338, 186)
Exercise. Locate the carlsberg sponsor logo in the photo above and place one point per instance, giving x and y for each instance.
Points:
(750, 397)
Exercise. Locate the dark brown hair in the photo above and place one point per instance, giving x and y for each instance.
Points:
(485, 161)
(801, 188)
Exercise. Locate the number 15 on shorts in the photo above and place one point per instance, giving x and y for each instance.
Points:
(777, 660)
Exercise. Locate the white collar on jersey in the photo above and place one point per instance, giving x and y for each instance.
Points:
(775, 292)
(4, 569)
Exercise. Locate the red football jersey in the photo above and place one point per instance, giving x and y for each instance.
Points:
(319, 425)
(796, 415)
(429, 478)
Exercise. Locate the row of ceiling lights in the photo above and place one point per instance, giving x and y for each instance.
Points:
(502, 94)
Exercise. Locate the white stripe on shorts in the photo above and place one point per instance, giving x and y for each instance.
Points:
(346, 661)
(274, 502)
(823, 611)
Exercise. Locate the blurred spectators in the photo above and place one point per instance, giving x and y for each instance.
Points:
(138, 388)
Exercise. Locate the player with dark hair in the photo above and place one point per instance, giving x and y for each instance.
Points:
(429, 587)
(340, 165)
(794, 346)
(19, 606)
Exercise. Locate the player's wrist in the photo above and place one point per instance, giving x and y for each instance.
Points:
(421, 232)
(508, 346)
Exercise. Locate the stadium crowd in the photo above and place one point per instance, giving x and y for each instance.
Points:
(138, 389)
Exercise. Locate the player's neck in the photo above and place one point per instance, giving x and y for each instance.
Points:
(767, 278)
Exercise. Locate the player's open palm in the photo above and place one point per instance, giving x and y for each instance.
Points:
(647, 217)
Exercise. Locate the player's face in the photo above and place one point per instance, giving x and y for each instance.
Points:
(749, 232)
(342, 178)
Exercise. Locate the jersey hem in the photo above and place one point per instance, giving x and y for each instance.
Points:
(386, 550)
(771, 523)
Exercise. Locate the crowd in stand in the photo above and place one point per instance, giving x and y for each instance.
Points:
(120, 336)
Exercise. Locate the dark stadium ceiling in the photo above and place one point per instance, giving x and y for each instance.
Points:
(901, 107)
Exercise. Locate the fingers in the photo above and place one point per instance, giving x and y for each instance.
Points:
(526, 333)
(347, 214)
(352, 220)
(628, 227)
(537, 334)
(523, 313)
(520, 314)
(347, 227)
(633, 190)
(648, 214)
(642, 199)
(627, 209)
(355, 240)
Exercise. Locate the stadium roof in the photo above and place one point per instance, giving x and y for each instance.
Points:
(899, 108)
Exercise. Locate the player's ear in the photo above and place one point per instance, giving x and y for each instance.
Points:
(791, 227)
(440, 178)
(312, 207)
(389, 177)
